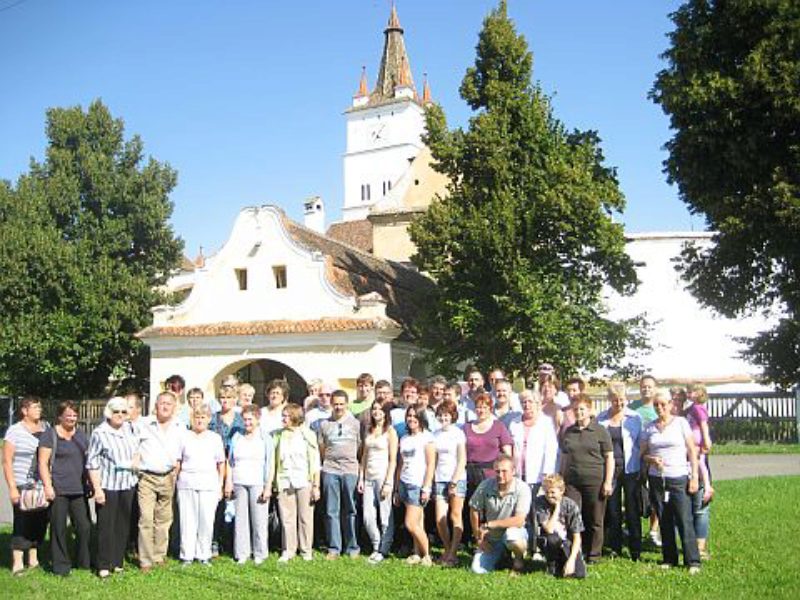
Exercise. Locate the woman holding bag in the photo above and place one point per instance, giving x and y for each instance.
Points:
(62, 467)
(19, 468)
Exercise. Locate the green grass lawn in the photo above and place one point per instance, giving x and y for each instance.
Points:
(755, 548)
(766, 448)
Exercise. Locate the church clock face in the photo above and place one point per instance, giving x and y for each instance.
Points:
(378, 134)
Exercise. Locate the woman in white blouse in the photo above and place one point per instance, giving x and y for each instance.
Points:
(450, 480)
(249, 481)
(296, 477)
(535, 448)
(201, 473)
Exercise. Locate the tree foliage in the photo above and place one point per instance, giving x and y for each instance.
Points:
(523, 244)
(732, 91)
(84, 241)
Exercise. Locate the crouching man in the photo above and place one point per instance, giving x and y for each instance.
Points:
(560, 527)
(498, 509)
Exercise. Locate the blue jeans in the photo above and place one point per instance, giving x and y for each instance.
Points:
(672, 513)
(486, 562)
(700, 514)
(339, 492)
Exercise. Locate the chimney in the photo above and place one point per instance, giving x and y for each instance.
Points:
(314, 214)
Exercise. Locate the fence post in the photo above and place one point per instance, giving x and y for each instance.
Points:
(797, 410)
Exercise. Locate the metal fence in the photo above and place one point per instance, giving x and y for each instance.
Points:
(90, 412)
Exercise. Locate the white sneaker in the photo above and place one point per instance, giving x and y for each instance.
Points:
(308, 557)
(375, 558)
(285, 558)
(655, 537)
(258, 561)
(241, 561)
(537, 557)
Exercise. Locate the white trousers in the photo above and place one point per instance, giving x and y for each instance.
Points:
(197, 510)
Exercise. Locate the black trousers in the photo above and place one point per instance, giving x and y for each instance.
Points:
(29, 528)
(556, 552)
(588, 496)
(627, 485)
(113, 527)
(76, 508)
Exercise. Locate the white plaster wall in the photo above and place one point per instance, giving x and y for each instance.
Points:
(257, 243)
(688, 341)
(371, 161)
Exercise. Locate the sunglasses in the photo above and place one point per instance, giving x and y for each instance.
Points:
(119, 412)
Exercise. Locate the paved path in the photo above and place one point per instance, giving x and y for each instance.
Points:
(722, 467)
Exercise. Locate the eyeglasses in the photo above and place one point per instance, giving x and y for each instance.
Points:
(119, 412)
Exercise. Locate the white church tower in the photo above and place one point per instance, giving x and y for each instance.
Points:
(384, 128)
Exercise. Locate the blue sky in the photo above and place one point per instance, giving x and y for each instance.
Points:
(245, 97)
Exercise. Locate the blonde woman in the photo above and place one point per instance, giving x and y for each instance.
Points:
(296, 480)
(201, 473)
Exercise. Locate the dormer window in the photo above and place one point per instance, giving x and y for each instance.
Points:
(241, 278)
(279, 273)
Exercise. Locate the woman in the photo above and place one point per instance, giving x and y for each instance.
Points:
(697, 416)
(201, 473)
(277, 395)
(450, 478)
(376, 480)
(535, 450)
(486, 439)
(248, 480)
(624, 426)
(62, 467)
(110, 463)
(587, 465)
(296, 477)
(668, 449)
(414, 478)
(19, 467)
(548, 389)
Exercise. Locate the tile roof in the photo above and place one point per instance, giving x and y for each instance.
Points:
(353, 233)
(324, 325)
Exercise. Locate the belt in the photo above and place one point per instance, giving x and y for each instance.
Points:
(155, 473)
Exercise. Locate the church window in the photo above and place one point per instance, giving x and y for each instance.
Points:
(365, 192)
(387, 187)
(241, 278)
(279, 272)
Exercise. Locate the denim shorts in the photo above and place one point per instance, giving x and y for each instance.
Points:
(441, 489)
(409, 493)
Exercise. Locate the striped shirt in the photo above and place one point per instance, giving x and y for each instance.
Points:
(25, 446)
(111, 452)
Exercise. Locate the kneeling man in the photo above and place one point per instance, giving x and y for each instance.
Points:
(498, 510)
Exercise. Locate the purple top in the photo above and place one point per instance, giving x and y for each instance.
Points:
(486, 447)
(697, 414)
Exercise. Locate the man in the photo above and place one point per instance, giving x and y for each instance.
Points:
(135, 419)
(322, 411)
(559, 520)
(648, 386)
(545, 371)
(644, 405)
(409, 395)
(436, 387)
(365, 394)
(497, 512)
(384, 393)
(475, 381)
(339, 441)
(159, 449)
(574, 387)
(496, 375)
(502, 403)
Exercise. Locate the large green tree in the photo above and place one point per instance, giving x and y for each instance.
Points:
(523, 244)
(84, 243)
(732, 91)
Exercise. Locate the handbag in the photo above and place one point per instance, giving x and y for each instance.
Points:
(32, 498)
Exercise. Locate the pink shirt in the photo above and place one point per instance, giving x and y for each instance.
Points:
(486, 447)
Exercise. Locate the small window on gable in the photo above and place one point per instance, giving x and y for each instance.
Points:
(279, 272)
(241, 278)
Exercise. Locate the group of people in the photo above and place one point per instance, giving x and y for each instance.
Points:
(535, 474)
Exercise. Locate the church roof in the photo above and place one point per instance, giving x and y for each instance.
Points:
(357, 233)
(356, 273)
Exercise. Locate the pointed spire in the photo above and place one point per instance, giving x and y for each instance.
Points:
(363, 89)
(426, 91)
(394, 70)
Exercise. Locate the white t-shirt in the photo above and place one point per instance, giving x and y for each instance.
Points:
(412, 450)
(447, 442)
(248, 456)
(270, 422)
(200, 454)
(670, 445)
